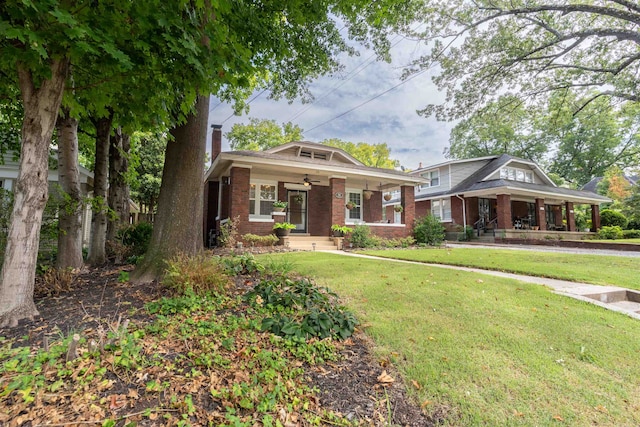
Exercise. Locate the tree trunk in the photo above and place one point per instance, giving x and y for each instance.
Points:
(70, 215)
(97, 252)
(118, 186)
(177, 226)
(41, 107)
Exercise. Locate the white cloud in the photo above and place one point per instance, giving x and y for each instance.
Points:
(390, 118)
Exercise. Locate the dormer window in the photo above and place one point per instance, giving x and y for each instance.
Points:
(515, 174)
(433, 178)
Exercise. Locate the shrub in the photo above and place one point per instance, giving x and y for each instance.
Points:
(229, 233)
(197, 275)
(428, 230)
(610, 218)
(466, 234)
(300, 309)
(610, 232)
(361, 236)
(631, 234)
(241, 264)
(633, 224)
(137, 238)
(255, 240)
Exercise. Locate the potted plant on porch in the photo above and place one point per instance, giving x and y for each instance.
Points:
(340, 230)
(398, 208)
(279, 206)
(350, 205)
(282, 229)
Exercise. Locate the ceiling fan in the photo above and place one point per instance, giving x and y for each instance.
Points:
(308, 182)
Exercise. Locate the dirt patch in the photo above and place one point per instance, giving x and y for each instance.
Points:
(97, 297)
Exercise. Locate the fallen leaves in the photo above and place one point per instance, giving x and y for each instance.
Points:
(385, 379)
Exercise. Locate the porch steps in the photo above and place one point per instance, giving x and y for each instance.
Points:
(485, 238)
(305, 243)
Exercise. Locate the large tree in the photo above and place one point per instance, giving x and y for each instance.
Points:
(374, 155)
(262, 134)
(505, 126)
(530, 48)
(281, 47)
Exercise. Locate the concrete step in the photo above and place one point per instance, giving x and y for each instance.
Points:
(322, 243)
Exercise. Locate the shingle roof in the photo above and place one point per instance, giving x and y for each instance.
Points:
(317, 163)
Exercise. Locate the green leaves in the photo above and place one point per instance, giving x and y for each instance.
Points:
(300, 309)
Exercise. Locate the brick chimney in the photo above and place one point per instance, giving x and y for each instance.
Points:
(216, 141)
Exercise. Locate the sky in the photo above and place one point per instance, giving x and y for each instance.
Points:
(390, 118)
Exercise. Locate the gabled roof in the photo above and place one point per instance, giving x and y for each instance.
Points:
(478, 183)
(281, 161)
(452, 162)
(311, 148)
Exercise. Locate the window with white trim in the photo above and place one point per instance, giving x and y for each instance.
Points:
(515, 174)
(355, 213)
(441, 209)
(261, 198)
(433, 178)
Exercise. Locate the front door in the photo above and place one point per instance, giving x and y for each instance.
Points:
(297, 212)
(484, 210)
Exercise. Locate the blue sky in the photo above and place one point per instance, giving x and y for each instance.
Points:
(390, 118)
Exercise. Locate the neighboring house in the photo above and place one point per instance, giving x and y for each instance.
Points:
(9, 175)
(592, 186)
(316, 180)
(498, 192)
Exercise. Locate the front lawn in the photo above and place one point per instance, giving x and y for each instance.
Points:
(482, 350)
(596, 269)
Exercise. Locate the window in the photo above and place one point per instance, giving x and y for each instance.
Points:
(355, 213)
(261, 198)
(514, 174)
(433, 178)
(441, 209)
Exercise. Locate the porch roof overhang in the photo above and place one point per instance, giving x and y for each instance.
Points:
(269, 166)
(524, 190)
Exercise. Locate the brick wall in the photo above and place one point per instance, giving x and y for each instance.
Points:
(373, 207)
(391, 232)
(473, 211)
(595, 218)
(504, 211)
(408, 202)
(571, 219)
(456, 211)
(337, 185)
(541, 219)
(423, 208)
(319, 211)
(239, 206)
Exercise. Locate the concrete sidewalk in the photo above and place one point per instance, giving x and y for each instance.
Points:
(594, 294)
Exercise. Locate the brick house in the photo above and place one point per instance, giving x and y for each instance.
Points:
(499, 192)
(316, 180)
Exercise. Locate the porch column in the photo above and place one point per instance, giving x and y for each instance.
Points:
(504, 212)
(541, 218)
(373, 207)
(595, 218)
(337, 187)
(571, 220)
(408, 202)
(239, 196)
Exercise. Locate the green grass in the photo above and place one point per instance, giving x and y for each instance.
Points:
(491, 351)
(596, 269)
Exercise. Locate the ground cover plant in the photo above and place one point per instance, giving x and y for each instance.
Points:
(193, 352)
(491, 351)
(596, 269)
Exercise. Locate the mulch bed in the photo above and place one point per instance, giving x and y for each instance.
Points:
(349, 386)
